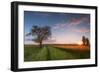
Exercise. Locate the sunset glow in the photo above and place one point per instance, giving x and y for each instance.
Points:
(80, 43)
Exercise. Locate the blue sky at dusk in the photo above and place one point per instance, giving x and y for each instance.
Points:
(66, 28)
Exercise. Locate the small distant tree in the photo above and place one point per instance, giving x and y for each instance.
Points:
(40, 34)
(83, 40)
(87, 42)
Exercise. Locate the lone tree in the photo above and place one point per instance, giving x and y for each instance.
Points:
(40, 34)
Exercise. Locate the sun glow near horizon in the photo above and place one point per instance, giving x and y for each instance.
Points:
(80, 43)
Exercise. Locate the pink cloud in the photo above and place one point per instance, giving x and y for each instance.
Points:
(81, 30)
(71, 22)
(76, 21)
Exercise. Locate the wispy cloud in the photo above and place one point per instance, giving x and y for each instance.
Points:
(72, 22)
(50, 39)
(81, 30)
(59, 25)
(77, 21)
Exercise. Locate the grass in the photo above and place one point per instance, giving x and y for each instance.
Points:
(49, 52)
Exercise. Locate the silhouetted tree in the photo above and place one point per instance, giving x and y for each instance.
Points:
(87, 42)
(40, 34)
(83, 40)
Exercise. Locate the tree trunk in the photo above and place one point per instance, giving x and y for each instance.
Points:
(40, 44)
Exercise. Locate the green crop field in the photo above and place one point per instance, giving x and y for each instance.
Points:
(48, 52)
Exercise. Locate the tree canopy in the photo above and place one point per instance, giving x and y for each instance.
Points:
(40, 34)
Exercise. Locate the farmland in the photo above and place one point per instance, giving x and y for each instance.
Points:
(55, 52)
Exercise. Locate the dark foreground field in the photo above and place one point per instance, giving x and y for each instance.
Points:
(48, 52)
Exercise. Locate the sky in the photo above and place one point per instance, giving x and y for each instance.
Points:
(66, 28)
